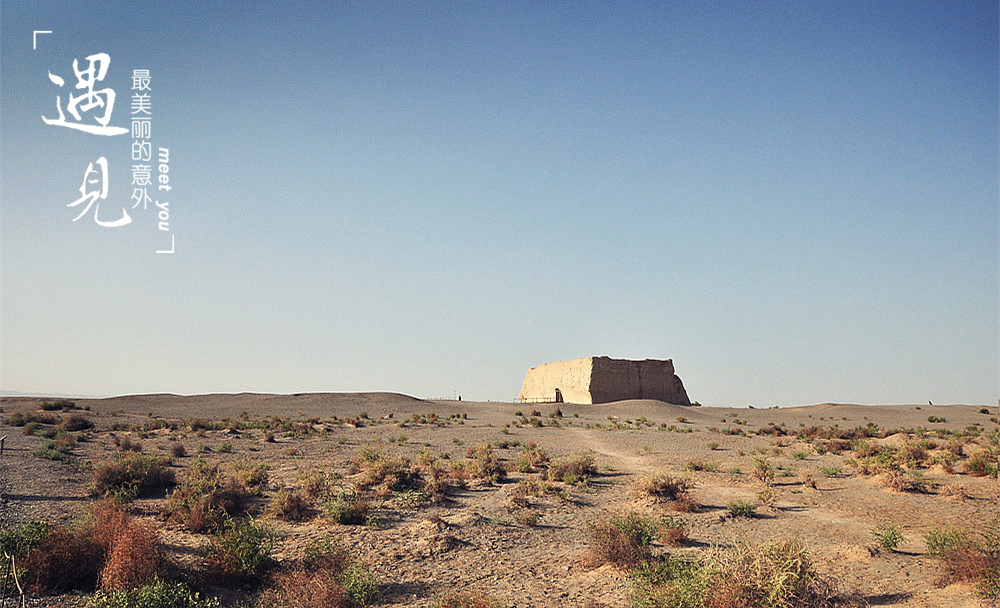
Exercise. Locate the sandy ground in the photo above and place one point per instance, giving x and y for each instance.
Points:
(473, 543)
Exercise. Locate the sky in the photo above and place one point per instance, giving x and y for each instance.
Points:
(797, 202)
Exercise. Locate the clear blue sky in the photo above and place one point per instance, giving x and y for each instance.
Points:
(797, 202)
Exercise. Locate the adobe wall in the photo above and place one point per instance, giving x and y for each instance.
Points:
(572, 378)
(602, 380)
(617, 379)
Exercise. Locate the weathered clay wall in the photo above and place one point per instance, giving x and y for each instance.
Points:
(572, 378)
(602, 379)
(617, 379)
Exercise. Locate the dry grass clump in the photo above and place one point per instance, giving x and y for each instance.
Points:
(326, 578)
(576, 469)
(485, 465)
(770, 575)
(967, 559)
(661, 487)
(207, 495)
(981, 464)
(130, 472)
(291, 505)
(906, 481)
(531, 458)
(625, 541)
(375, 468)
(347, 508)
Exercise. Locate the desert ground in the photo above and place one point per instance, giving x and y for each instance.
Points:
(440, 520)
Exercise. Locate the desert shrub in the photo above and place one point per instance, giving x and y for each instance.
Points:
(485, 464)
(178, 450)
(770, 575)
(56, 449)
(299, 588)
(108, 547)
(981, 464)
(206, 496)
(912, 454)
(132, 472)
(346, 508)
(888, 535)
(467, 599)
(76, 422)
(133, 556)
(290, 505)
(157, 594)
(906, 481)
(250, 475)
(378, 469)
(531, 457)
(611, 545)
(766, 496)
(317, 482)
(529, 518)
(25, 418)
(326, 578)
(241, 549)
(684, 503)
(942, 540)
(573, 469)
(741, 508)
(807, 479)
(661, 487)
(125, 443)
(65, 560)
(762, 469)
(777, 574)
(832, 471)
(670, 582)
(966, 559)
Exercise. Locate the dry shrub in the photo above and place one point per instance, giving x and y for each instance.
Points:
(532, 457)
(965, 564)
(900, 481)
(672, 537)
(291, 505)
(610, 545)
(684, 504)
(130, 470)
(133, 556)
(125, 443)
(981, 464)
(485, 464)
(955, 493)
(771, 574)
(661, 487)
(206, 495)
(109, 547)
(574, 469)
(178, 450)
(326, 578)
(65, 561)
(807, 479)
(301, 588)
